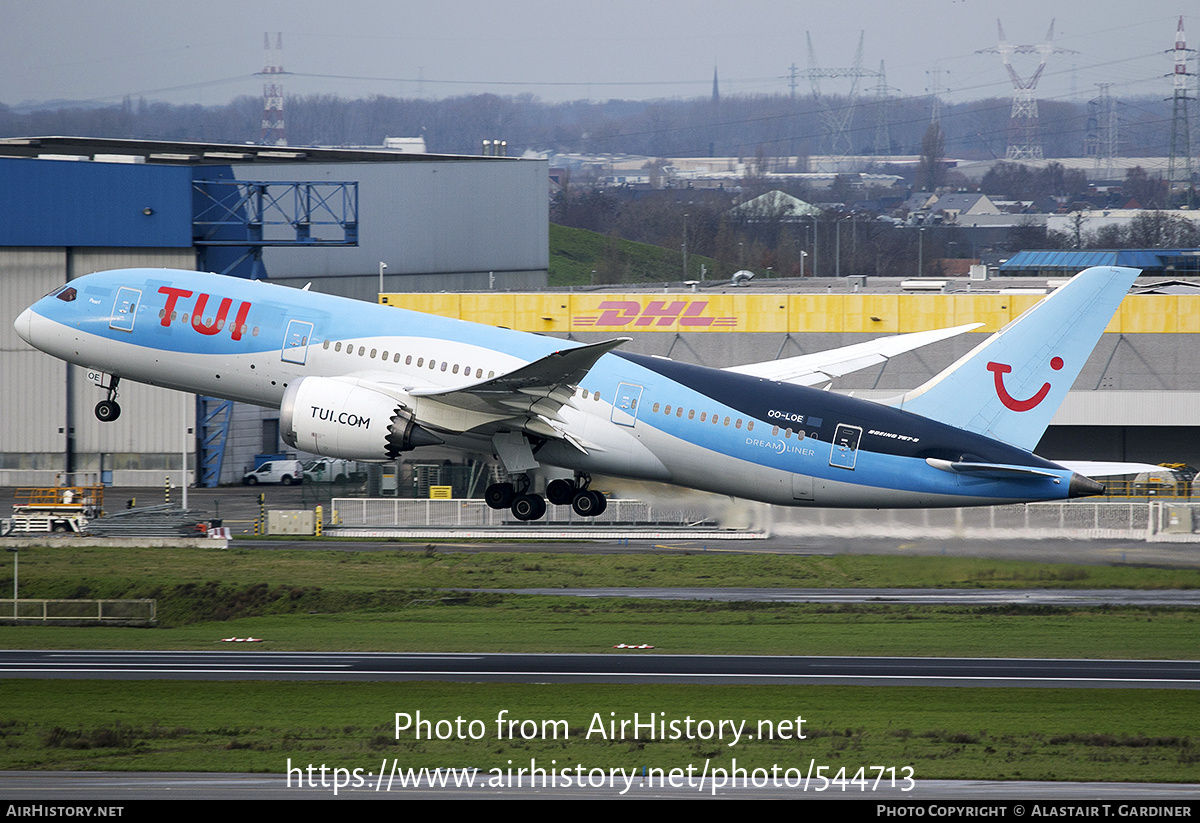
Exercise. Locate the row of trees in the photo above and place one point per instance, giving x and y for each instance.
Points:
(1147, 230)
(767, 240)
(774, 126)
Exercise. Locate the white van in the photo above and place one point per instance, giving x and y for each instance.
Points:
(331, 470)
(284, 472)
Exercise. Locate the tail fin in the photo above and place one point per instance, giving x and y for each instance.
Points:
(1009, 386)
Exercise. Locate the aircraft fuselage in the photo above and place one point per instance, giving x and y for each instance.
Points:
(630, 415)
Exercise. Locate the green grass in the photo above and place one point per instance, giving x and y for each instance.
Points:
(65, 571)
(390, 601)
(511, 623)
(339, 600)
(1006, 734)
(576, 253)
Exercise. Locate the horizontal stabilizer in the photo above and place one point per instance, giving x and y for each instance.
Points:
(1078, 485)
(995, 471)
(1095, 468)
(823, 366)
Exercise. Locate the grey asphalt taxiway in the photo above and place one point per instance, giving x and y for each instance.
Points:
(628, 666)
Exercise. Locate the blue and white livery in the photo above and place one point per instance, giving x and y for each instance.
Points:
(366, 382)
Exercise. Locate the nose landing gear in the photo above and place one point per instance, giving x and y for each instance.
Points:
(109, 410)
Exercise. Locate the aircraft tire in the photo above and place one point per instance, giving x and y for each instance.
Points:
(589, 504)
(499, 495)
(107, 411)
(560, 492)
(528, 506)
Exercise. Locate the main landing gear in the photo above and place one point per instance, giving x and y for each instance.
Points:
(528, 506)
(109, 410)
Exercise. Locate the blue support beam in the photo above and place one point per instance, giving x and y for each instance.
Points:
(274, 213)
(215, 416)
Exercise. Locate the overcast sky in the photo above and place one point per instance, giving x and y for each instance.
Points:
(208, 52)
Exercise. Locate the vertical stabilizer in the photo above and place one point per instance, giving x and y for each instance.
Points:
(1009, 386)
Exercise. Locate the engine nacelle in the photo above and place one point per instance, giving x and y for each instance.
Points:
(350, 419)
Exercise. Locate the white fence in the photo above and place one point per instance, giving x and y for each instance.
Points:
(356, 512)
(1160, 521)
(71, 611)
(1155, 520)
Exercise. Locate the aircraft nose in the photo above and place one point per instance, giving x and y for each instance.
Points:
(24, 326)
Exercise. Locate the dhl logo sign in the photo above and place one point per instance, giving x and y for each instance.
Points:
(685, 314)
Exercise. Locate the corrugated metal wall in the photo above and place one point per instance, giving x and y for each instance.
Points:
(140, 446)
(470, 216)
(58, 203)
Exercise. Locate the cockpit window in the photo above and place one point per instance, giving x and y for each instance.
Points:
(67, 295)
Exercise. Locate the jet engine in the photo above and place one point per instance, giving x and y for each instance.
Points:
(351, 419)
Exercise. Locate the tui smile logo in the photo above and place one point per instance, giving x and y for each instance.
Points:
(999, 370)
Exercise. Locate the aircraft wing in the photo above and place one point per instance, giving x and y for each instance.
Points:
(1094, 468)
(531, 395)
(821, 367)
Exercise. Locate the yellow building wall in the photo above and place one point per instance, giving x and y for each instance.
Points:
(778, 313)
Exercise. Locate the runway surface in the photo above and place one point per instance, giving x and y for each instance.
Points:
(1166, 598)
(619, 667)
(75, 787)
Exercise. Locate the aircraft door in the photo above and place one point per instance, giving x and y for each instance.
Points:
(295, 341)
(125, 309)
(844, 452)
(624, 412)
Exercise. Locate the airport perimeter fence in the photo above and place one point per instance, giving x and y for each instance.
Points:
(1155, 521)
(33, 610)
(355, 512)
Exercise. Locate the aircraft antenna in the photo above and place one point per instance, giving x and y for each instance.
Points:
(273, 132)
